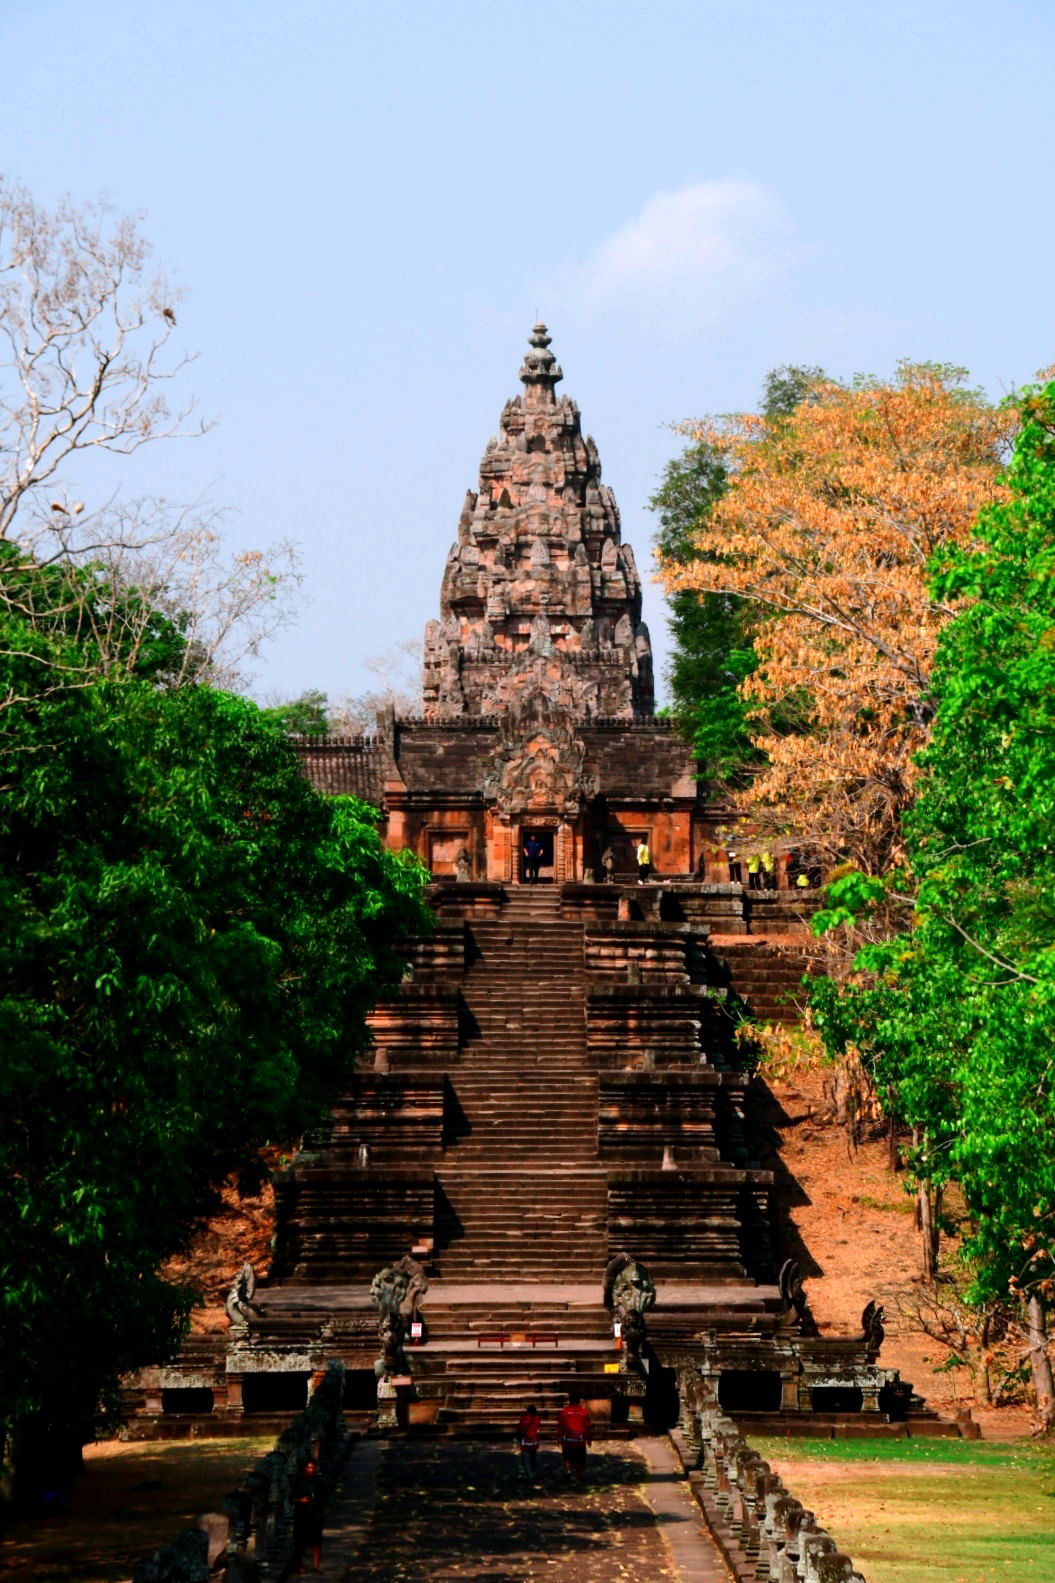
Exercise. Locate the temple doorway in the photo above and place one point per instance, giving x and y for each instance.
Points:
(544, 838)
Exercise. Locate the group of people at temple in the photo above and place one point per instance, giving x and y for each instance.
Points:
(757, 868)
(574, 1434)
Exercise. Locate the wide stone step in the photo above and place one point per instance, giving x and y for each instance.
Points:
(590, 1321)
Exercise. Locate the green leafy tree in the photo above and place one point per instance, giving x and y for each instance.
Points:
(787, 387)
(192, 939)
(306, 716)
(712, 651)
(957, 1016)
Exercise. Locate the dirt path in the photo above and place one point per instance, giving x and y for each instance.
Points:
(447, 1512)
(130, 1498)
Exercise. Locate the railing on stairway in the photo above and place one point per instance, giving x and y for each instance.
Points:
(763, 1532)
(254, 1523)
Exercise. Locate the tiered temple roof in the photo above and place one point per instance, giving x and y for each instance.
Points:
(539, 572)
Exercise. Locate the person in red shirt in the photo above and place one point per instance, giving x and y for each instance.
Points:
(307, 1516)
(529, 1430)
(575, 1429)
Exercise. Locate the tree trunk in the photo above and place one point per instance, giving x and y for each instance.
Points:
(1040, 1363)
(984, 1338)
(928, 1208)
(893, 1152)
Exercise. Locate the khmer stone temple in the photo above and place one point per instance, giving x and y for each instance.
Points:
(538, 698)
(547, 1176)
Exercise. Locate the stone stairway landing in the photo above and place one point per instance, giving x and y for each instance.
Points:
(510, 1224)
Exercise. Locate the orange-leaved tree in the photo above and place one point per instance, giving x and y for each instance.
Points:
(830, 520)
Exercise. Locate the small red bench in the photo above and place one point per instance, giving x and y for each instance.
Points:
(499, 1338)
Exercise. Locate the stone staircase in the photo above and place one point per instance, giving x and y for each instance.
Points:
(551, 1346)
(555, 1082)
(767, 978)
(516, 1225)
(521, 1194)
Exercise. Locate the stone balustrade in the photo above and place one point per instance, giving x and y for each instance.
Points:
(254, 1525)
(763, 1532)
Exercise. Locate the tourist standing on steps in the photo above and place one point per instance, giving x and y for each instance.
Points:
(307, 1517)
(529, 1430)
(575, 1430)
(532, 859)
(644, 861)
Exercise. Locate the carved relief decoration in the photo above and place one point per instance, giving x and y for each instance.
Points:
(539, 762)
(539, 565)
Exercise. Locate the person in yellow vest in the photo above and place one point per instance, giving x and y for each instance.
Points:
(644, 861)
(754, 871)
(769, 877)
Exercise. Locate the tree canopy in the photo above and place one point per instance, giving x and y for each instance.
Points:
(712, 650)
(832, 509)
(956, 1016)
(192, 938)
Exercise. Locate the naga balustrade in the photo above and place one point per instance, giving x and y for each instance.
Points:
(764, 1533)
(256, 1519)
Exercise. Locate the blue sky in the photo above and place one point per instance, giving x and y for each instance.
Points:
(367, 206)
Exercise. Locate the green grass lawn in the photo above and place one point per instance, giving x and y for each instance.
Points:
(929, 1511)
(129, 1500)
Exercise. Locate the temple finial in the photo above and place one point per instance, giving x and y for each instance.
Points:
(540, 365)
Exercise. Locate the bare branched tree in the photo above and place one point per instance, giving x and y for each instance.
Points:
(86, 366)
(84, 361)
(398, 673)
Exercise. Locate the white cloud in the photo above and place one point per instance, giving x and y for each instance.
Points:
(688, 257)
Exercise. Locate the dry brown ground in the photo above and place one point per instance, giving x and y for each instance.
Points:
(242, 1230)
(128, 1500)
(854, 1224)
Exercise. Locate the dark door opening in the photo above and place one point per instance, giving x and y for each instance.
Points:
(187, 1399)
(749, 1390)
(544, 838)
(286, 1392)
(837, 1399)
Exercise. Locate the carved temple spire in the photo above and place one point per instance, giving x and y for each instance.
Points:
(539, 568)
(540, 371)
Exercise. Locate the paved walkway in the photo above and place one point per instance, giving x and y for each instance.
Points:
(448, 1511)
